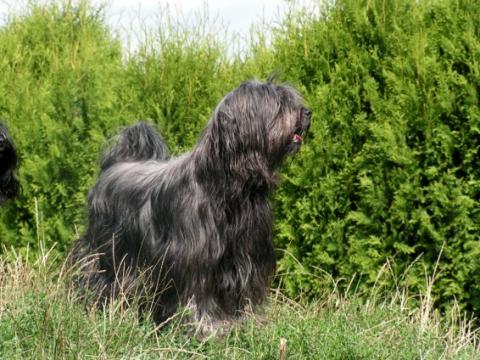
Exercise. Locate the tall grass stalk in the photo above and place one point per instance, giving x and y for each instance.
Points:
(41, 316)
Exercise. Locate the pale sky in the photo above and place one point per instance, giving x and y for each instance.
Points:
(237, 15)
(240, 14)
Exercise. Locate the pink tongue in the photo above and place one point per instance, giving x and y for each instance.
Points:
(297, 138)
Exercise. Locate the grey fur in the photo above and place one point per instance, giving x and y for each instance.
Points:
(198, 225)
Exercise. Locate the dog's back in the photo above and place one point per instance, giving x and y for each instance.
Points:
(136, 143)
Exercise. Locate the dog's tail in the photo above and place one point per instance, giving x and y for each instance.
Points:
(136, 143)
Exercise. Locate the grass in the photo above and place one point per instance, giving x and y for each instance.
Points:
(42, 318)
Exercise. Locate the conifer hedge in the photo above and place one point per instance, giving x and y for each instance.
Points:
(60, 75)
(389, 176)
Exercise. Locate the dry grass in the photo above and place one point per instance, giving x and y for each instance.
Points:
(41, 316)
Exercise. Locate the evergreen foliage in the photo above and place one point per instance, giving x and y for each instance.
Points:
(61, 72)
(391, 173)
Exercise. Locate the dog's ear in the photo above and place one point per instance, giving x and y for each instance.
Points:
(236, 140)
(241, 135)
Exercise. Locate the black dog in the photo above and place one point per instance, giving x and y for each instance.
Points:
(9, 185)
(200, 224)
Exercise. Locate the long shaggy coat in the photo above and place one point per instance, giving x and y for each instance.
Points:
(199, 225)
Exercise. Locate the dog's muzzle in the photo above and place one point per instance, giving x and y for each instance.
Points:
(301, 131)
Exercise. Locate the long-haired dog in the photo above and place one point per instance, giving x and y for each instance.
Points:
(199, 224)
(9, 185)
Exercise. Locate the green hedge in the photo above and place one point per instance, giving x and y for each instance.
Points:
(389, 175)
(60, 71)
(392, 171)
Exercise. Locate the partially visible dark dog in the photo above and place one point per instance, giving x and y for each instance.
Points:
(9, 185)
(199, 225)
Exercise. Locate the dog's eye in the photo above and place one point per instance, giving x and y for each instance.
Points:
(306, 113)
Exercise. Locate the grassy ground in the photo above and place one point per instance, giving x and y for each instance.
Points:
(41, 318)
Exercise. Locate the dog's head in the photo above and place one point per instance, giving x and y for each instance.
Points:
(9, 185)
(257, 125)
(287, 124)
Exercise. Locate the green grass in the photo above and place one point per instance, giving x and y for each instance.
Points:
(41, 317)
